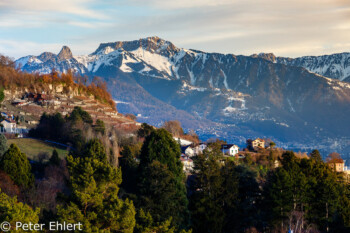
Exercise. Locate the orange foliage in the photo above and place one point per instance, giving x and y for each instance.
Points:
(12, 77)
(7, 186)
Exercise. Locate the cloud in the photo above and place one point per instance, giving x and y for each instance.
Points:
(285, 27)
(76, 7)
(17, 48)
(181, 4)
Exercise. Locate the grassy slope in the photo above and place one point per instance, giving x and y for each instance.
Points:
(32, 147)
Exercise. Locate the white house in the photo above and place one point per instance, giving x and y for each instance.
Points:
(230, 149)
(187, 163)
(187, 150)
(199, 148)
(9, 125)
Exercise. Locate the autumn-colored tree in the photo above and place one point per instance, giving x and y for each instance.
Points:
(7, 185)
(174, 127)
(334, 157)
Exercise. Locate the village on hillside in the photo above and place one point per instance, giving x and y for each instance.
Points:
(22, 111)
(253, 148)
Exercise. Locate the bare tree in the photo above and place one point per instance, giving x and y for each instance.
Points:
(298, 224)
(174, 127)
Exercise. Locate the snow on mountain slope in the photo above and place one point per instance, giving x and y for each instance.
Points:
(159, 62)
(28, 59)
(335, 66)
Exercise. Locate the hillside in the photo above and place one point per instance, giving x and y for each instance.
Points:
(28, 96)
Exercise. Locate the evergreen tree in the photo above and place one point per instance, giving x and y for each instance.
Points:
(316, 156)
(162, 178)
(55, 159)
(100, 126)
(95, 189)
(324, 197)
(243, 213)
(146, 224)
(129, 167)
(3, 144)
(78, 114)
(206, 202)
(17, 166)
(161, 146)
(309, 188)
(224, 196)
(279, 196)
(145, 130)
(2, 95)
(13, 211)
(162, 195)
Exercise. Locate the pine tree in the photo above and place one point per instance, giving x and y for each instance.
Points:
(316, 156)
(162, 195)
(160, 167)
(55, 159)
(95, 189)
(146, 224)
(13, 211)
(129, 167)
(206, 203)
(279, 196)
(161, 146)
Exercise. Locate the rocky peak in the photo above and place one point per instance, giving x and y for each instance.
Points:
(152, 44)
(65, 53)
(45, 56)
(267, 56)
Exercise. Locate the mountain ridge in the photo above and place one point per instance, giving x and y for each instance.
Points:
(335, 66)
(254, 94)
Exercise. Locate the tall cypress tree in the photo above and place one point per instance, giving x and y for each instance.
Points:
(161, 169)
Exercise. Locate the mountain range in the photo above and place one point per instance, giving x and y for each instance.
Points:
(301, 103)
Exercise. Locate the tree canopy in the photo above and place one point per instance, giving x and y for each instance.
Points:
(17, 166)
(95, 189)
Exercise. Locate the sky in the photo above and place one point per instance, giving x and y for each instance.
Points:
(284, 27)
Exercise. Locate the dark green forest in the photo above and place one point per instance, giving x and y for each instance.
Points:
(147, 190)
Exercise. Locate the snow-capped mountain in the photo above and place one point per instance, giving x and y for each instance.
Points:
(335, 66)
(218, 94)
(46, 62)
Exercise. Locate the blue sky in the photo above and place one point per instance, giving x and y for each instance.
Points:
(284, 27)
